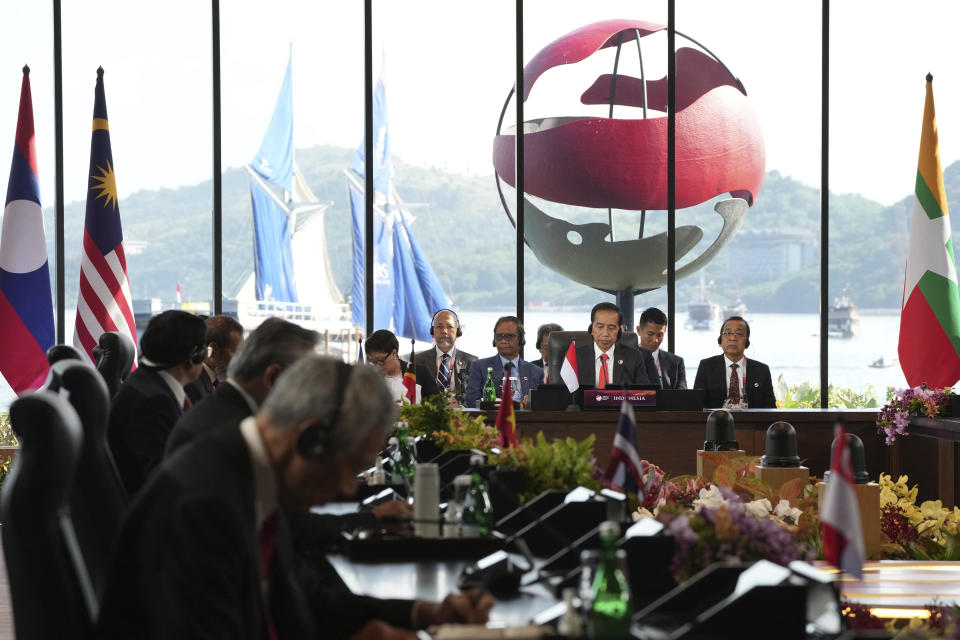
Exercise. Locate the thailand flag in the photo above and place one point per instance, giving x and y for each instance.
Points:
(26, 306)
(625, 467)
(840, 530)
(104, 303)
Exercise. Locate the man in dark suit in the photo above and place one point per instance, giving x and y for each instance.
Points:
(651, 331)
(508, 336)
(152, 399)
(444, 362)
(607, 362)
(224, 335)
(205, 551)
(729, 379)
(253, 370)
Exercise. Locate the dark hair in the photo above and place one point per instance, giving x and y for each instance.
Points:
(515, 319)
(275, 341)
(544, 329)
(653, 315)
(381, 341)
(606, 306)
(220, 328)
(172, 337)
(740, 318)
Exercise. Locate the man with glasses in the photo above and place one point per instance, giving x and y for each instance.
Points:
(508, 337)
(447, 365)
(729, 379)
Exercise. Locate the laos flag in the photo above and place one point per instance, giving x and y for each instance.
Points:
(26, 307)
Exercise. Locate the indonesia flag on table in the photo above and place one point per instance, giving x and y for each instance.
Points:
(104, 303)
(929, 347)
(840, 530)
(26, 306)
(568, 370)
(624, 469)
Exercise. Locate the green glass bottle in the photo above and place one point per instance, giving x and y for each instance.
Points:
(611, 611)
(404, 463)
(477, 519)
(489, 388)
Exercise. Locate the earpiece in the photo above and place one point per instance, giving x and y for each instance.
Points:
(199, 353)
(314, 440)
(455, 317)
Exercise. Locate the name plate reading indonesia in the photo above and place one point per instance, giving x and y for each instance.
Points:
(607, 399)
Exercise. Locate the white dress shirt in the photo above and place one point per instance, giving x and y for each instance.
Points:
(597, 361)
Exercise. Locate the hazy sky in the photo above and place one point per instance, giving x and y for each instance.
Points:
(449, 66)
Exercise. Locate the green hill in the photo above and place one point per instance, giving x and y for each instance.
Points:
(460, 224)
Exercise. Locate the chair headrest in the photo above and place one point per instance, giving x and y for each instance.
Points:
(59, 352)
(116, 355)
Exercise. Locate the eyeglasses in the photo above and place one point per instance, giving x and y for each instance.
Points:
(738, 334)
(500, 337)
(378, 362)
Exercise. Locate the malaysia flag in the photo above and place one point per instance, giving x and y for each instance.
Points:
(840, 530)
(26, 306)
(104, 303)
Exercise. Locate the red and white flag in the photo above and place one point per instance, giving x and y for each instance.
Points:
(840, 530)
(568, 371)
(179, 294)
(105, 303)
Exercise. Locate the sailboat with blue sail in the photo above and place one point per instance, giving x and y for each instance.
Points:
(291, 278)
(406, 289)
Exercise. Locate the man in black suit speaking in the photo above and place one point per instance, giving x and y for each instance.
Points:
(205, 550)
(606, 362)
(651, 330)
(729, 379)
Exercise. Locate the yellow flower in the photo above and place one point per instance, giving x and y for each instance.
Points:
(887, 497)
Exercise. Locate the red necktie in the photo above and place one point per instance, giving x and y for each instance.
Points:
(268, 539)
(602, 381)
(734, 395)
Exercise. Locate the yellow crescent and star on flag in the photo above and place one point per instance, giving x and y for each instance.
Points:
(107, 180)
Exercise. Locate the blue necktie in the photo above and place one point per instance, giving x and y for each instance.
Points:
(443, 373)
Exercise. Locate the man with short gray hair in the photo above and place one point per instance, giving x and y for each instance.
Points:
(210, 534)
(268, 350)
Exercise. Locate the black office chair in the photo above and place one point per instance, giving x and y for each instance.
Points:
(98, 498)
(49, 586)
(560, 341)
(59, 352)
(114, 355)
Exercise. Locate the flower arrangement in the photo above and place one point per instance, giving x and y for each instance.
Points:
(925, 532)
(723, 527)
(916, 401)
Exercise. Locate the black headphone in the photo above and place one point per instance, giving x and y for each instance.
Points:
(455, 317)
(720, 337)
(315, 439)
(520, 331)
(603, 306)
(198, 353)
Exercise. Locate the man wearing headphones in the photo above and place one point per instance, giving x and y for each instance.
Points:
(224, 335)
(152, 399)
(447, 365)
(729, 380)
(209, 530)
(607, 362)
(508, 337)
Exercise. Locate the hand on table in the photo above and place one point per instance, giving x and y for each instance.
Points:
(393, 510)
(472, 607)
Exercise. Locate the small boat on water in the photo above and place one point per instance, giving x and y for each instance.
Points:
(843, 318)
(702, 315)
(737, 308)
(883, 363)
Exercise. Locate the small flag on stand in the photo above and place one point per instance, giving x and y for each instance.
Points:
(26, 306)
(104, 303)
(179, 294)
(929, 346)
(624, 469)
(840, 531)
(410, 376)
(506, 418)
(359, 351)
(568, 370)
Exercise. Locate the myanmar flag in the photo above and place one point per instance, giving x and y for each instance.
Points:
(929, 346)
